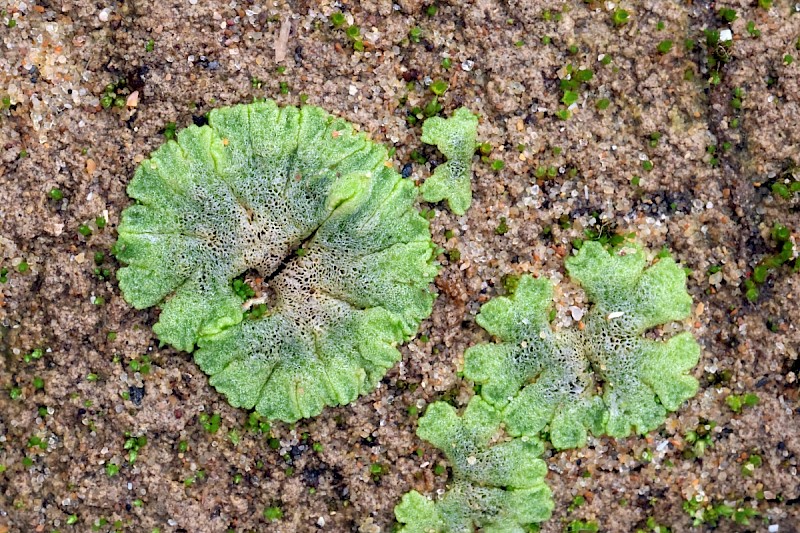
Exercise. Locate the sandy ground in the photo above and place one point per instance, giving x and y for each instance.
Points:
(178, 59)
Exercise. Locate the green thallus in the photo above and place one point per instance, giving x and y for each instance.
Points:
(604, 377)
(314, 208)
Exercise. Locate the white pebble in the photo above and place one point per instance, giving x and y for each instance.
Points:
(104, 15)
(725, 35)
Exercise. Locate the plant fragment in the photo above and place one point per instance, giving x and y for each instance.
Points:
(541, 378)
(299, 197)
(456, 138)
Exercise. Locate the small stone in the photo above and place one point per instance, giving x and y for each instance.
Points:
(576, 312)
(136, 394)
